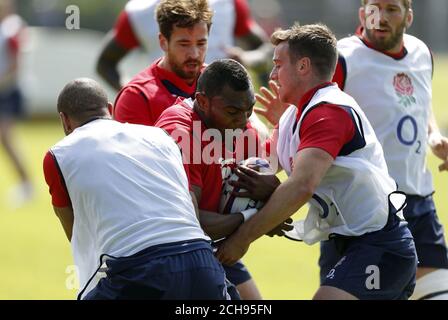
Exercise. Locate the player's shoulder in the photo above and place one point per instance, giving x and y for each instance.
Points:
(413, 43)
(180, 113)
(138, 6)
(350, 45)
(145, 81)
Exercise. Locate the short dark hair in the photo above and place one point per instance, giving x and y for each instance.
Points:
(315, 41)
(182, 14)
(223, 72)
(82, 99)
(407, 3)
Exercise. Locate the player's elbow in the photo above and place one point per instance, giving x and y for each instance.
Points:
(102, 65)
(305, 190)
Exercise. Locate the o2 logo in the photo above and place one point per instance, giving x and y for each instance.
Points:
(409, 140)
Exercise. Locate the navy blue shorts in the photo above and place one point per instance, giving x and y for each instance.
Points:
(177, 271)
(238, 273)
(420, 213)
(11, 104)
(377, 265)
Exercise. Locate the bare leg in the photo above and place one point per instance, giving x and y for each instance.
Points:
(423, 271)
(248, 290)
(5, 137)
(432, 284)
(332, 293)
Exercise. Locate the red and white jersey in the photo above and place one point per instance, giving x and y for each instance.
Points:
(127, 187)
(148, 94)
(395, 94)
(205, 169)
(352, 198)
(10, 28)
(137, 26)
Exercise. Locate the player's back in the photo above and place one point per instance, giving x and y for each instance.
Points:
(127, 186)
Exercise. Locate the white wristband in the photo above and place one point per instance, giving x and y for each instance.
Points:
(248, 213)
(434, 138)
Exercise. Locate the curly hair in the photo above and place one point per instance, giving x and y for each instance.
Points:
(182, 14)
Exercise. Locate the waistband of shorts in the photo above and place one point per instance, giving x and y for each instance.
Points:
(158, 251)
(342, 241)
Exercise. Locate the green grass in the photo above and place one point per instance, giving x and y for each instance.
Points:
(35, 253)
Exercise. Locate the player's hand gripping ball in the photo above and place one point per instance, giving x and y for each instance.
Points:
(232, 204)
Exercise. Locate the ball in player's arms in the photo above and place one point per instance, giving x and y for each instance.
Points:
(232, 204)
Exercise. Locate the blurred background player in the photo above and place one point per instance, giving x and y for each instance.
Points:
(11, 102)
(153, 247)
(389, 73)
(137, 27)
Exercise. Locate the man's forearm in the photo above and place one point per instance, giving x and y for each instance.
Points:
(284, 202)
(217, 225)
(110, 74)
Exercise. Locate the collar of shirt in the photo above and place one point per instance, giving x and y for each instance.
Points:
(306, 98)
(180, 83)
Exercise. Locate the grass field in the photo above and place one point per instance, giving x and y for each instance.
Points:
(34, 253)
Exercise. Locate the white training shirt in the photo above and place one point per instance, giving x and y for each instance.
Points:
(395, 95)
(144, 24)
(128, 189)
(352, 198)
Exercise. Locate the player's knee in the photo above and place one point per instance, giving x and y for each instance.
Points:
(432, 286)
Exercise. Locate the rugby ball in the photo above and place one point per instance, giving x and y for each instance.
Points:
(231, 204)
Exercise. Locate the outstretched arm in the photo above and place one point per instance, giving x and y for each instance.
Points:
(255, 50)
(310, 166)
(107, 65)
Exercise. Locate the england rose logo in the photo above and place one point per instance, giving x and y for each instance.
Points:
(404, 89)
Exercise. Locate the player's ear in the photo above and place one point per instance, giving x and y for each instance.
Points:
(163, 42)
(202, 101)
(110, 108)
(303, 65)
(409, 18)
(66, 123)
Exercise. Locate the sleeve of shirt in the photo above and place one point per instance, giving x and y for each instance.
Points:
(340, 74)
(244, 20)
(179, 129)
(132, 107)
(55, 182)
(124, 34)
(328, 128)
(14, 45)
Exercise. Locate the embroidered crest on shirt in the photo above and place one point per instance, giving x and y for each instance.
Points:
(404, 89)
